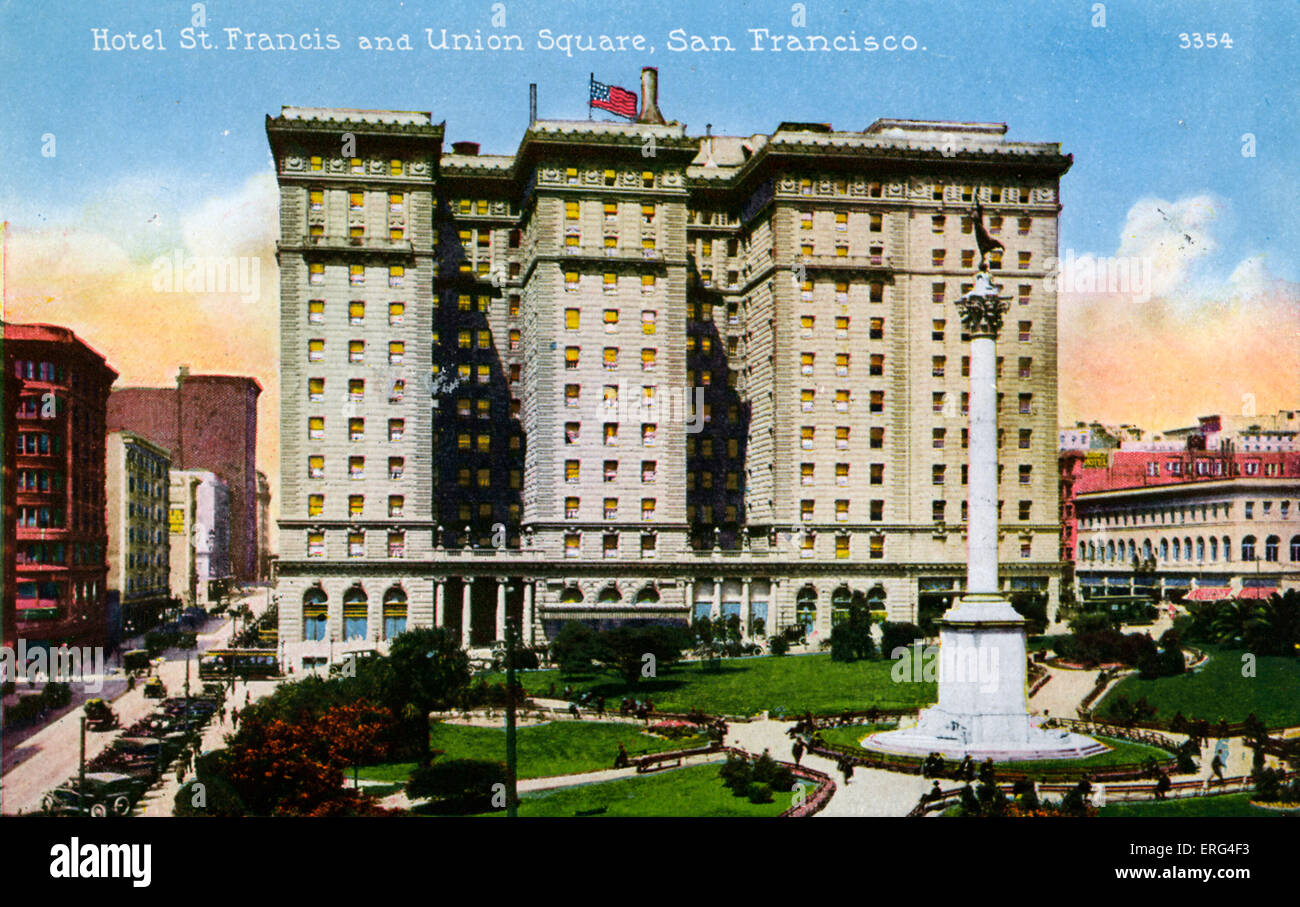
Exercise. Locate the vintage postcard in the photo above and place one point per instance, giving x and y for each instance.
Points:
(592, 409)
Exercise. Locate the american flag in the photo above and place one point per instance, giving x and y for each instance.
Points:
(614, 99)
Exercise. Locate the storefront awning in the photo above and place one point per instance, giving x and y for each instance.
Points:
(1209, 594)
(1258, 592)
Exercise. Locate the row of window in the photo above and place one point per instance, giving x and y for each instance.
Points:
(355, 165)
(356, 274)
(609, 282)
(1183, 514)
(1175, 550)
(356, 311)
(357, 350)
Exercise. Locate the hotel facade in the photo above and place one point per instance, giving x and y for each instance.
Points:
(632, 374)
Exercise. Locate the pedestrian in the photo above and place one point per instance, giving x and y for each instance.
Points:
(1162, 785)
(1216, 766)
(622, 759)
(847, 768)
(248, 696)
(600, 706)
(797, 751)
(222, 713)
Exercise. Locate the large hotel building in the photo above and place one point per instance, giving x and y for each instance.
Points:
(632, 374)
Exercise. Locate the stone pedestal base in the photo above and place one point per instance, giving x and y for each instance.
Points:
(983, 709)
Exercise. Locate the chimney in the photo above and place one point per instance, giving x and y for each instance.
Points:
(650, 97)
(466, 148)
(182, 374)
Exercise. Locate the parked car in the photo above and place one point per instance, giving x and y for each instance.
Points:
(99, 715)
(154, 689)
(106, 794)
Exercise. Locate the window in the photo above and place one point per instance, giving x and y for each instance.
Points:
(315, 389)
(316, 273)
(806, 363)
(648, 360)
(877, 550)
(877, 472)
(315, 428)
(842, 364)
(356, 275)
(1025, 438)
(356, 468)
(316, 162)
(649, 433)
(611, 434)
(937, 438)
(1022, 260)
(1026, 474)
(315, 350)
(315, 504)
(315, 548)
(877, 329)
(937, 473)
(842, 437)
(1026, 404)
(572, 544)
(806, 434)
(938, 365)
(937, 257)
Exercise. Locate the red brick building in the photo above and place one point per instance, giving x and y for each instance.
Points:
(60, 573)
(207, 422)
(10, 388)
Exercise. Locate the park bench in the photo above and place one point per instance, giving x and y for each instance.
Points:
(598, 811)
(654, 765)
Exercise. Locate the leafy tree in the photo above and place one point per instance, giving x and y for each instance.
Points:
(219, 799)
(623, 649)
(851, 639)
(429, 671)
(574, 648)
(896, 635)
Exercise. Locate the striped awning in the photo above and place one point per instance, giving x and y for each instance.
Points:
(1258, 592)
(1209, 594)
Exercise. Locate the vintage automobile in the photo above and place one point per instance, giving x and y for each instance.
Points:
(154, 689)
(106, 794)
(99, 715)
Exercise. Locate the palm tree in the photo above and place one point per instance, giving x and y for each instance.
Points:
(1232, 618)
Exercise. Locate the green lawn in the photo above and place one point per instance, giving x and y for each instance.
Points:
(685, 792)
(1222, 806)
(1217, 690)
(1121, 752)
(746, 686)
(558, 748)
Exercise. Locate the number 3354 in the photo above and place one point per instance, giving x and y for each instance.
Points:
(1196, 40)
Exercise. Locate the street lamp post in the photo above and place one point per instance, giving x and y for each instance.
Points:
(512, 762)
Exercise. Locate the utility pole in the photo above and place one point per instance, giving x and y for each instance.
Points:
(81, 769)
(512, 761)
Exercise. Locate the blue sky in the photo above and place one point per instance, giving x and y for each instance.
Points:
(1141, 116)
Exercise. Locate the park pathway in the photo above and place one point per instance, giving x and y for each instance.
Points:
(872, 792)
(1064, 693)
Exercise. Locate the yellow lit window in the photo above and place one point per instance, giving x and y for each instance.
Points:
(396, 312)
(611, 316)
(315, 504)
(317, 198)
(356, 504)
(571, 210)
(356, 274)
(611, 209)
(395, 167)
(396, 352)
(316, 272)
(316, 428)
(647, 283)
(571, 357)
(315, 350)
(316, 311)
(317, 163)
(356, 350)
(315, 388)
(648, 359)
(315, 467)
(648, 322)
(611, 242)
(356, 200)
(842, 546)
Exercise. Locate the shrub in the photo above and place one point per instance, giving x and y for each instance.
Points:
(760, 793)
(56, 695)
(217, 799)
(470, 780)
(897, 635)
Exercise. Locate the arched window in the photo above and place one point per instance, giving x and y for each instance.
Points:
(1110, 551)
(1200, 548)
(805, 608)
(1214, 548)
(1295, 548)
(315, 614)
(1178, 547)
(1187, 549)
(1132, 550)
(355, 607)
(394, 612)
(841, 598)
(876, 598)
(1083, 551)
(1092, 551)
(1270, 548)
(1164, 549)
(571, 595)
(1146, 550)
(647, 595)
(1248, 548)
(609, 595)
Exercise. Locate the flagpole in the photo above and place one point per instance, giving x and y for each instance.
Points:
(591, 86)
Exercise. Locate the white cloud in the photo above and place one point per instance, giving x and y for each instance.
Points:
(245, 223)
(1173, 236)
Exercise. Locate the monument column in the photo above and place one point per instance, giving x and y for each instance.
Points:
(440, 602)
(715, 609)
